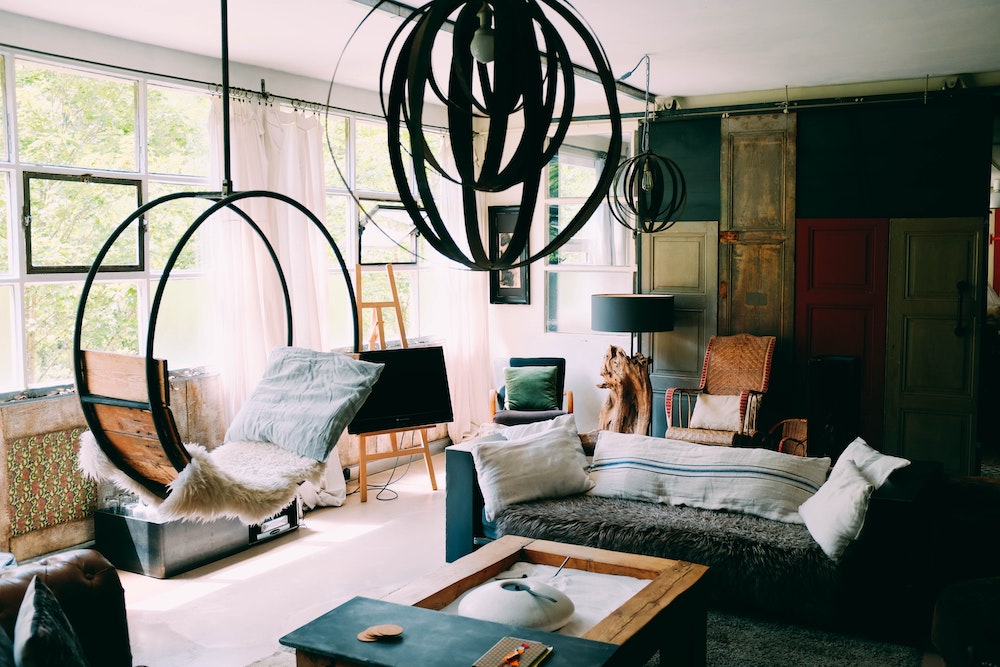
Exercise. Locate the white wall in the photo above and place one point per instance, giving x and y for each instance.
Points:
(515, 330)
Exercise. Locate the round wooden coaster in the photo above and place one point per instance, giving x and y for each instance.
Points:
(376, 632)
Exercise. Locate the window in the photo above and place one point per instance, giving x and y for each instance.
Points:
(90, 148)
(598, 259)
(85, 149)
(68, 218)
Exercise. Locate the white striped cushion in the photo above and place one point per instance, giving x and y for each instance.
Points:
(752, 481)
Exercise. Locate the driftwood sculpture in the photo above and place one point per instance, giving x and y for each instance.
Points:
(629, 404)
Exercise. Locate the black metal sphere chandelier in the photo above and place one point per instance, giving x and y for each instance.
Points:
(648, 192)
(509, 88)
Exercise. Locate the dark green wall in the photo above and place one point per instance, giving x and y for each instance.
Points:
(895, 160)
(887, 159)
(696, 146)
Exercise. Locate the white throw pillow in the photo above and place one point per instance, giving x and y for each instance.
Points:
(836, 514)
(550, 464)
(521, 431)
(874, 465)
(716, 412)
(749, 480)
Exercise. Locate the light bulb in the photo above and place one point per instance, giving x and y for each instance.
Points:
(481, 45)
(647, 177)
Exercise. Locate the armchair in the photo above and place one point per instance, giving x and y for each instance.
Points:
(734, 378)
(547, 394)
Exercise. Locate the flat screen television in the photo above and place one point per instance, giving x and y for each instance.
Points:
(411, 392)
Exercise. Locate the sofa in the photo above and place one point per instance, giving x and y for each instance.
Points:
(758, 565)
(89, 592)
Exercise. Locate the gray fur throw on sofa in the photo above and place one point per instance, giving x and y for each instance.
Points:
(755, 563)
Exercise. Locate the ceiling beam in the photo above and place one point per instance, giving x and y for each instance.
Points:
(403, 11)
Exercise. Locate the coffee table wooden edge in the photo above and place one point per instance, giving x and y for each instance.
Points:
(670, 607)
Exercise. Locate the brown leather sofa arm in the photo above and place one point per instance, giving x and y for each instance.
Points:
(90, 593)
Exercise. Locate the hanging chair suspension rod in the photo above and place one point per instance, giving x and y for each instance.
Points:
(227, 182)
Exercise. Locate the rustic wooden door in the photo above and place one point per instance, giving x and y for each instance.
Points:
(682, 261)
(757, 236)
(934, 317)
(840, 305)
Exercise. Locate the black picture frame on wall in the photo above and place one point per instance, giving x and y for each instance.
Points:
(506, 285)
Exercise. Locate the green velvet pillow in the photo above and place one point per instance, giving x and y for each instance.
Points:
(531, 388)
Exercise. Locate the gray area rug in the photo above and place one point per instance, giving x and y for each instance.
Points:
(735, 641)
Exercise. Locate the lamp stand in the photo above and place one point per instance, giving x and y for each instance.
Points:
(628, 406)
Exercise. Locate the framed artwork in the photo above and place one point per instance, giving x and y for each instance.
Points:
(506, 285)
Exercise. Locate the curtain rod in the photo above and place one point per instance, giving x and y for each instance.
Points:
(215, 88)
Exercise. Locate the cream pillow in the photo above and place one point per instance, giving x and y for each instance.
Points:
(835, 514)
(716, 412)
(874, 465)
(550, 464)
(521, 431)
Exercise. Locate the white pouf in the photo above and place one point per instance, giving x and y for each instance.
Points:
(525, 602)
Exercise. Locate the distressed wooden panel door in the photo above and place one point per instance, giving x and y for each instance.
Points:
(757, 234)
(933, 337)
(682, 261)
(840, 306)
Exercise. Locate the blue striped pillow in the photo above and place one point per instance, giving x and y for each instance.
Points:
(752, 481)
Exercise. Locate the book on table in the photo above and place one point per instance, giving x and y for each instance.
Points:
(514, 652)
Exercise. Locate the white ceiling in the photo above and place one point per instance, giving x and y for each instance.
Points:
(697, 47)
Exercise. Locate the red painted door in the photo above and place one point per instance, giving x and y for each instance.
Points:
(840, 304)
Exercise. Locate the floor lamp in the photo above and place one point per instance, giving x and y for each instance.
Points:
(629, 404)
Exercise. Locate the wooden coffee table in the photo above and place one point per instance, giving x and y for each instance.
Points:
(667, 615)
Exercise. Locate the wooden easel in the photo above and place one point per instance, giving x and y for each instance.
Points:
(377, 330)
(376, 333)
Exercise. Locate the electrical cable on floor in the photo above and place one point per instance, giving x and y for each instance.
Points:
(383, 490)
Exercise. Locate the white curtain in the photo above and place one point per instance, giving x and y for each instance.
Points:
(467, 345)
(279, 152)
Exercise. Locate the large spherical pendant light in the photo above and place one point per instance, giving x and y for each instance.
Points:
(507, 116)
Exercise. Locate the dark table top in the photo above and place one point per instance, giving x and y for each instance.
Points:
(429, 638)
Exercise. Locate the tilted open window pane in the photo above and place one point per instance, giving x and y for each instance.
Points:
(178, 131)
(70, 218)
(68, 118)
(111, 324)
(387, 234)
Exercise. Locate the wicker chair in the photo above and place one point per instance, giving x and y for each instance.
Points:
(736, 367)
(791, 436)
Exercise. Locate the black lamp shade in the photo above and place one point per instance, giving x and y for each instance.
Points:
(632, 312)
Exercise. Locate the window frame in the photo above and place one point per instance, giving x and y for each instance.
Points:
(26, 223)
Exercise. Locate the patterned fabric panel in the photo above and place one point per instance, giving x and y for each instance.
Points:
(703, 436)
(46, 487)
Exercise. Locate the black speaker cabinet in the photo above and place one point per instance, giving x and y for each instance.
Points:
(834, 411)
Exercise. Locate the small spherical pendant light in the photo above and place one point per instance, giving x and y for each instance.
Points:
(648, 192)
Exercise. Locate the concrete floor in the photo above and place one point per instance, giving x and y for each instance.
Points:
(230, 613)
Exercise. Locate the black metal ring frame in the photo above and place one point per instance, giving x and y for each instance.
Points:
(520, 85)
(651, 209)
(178, 455)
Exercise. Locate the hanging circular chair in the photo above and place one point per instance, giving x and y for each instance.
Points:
(133, 439)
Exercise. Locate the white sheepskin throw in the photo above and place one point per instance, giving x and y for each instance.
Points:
(250, 481)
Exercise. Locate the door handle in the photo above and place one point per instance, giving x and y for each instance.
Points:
(959, 327)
